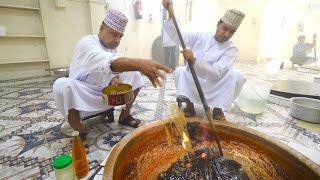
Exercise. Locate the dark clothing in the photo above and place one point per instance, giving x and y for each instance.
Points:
(299, 54)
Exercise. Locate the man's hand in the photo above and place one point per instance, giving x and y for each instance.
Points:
(188, 55)
(150, 68)
(154, 71)
(115, 81)
(166, 3)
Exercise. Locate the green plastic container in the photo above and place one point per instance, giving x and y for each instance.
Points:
(63, 167)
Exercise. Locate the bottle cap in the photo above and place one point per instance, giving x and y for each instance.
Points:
(62, 161)
(75, 133)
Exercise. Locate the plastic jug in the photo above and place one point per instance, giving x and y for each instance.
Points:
(254, 96)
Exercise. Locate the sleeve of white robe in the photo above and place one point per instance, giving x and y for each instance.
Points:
(91, 58)
(99, 60)
(218, 69)
(202, 68)
(189, 38)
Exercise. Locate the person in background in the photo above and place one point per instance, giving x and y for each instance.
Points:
(169, 46)
(300, 50)
(95, 64)
(213, 56)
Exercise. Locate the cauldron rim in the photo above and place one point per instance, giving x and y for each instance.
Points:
(116, 150)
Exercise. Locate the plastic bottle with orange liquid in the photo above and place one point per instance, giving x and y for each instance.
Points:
(79, 156)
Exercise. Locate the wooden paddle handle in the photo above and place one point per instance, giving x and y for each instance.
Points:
(196, 80)
(315, 46)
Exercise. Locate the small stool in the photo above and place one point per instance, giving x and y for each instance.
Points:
(109, 113)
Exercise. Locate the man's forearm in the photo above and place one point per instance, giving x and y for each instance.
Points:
(206, 71)
(125, 64)
(150, 68)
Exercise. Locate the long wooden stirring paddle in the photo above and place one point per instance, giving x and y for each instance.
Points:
(315, 48)
(196, 81)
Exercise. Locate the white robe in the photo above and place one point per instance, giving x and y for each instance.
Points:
(89, 73)
(220, 82)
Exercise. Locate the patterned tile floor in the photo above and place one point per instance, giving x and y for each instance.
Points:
(32, 131)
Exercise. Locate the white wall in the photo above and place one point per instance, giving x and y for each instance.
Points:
(98, 10)
(140, 33)
(22, 48)
(268, 31)
(23, 70)
(206, 14)
(44, 36)
(63, 27)
(280, 31)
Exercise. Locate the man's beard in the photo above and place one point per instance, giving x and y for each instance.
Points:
(109, 45)
(221, 39)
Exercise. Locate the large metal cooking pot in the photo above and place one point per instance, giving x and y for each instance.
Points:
(306, 109)
(146, 152)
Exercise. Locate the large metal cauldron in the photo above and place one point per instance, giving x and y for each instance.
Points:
(146, 152)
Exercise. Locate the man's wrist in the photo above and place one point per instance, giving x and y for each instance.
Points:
(125, 64)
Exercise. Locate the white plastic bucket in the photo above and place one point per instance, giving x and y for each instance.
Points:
(254, 96)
